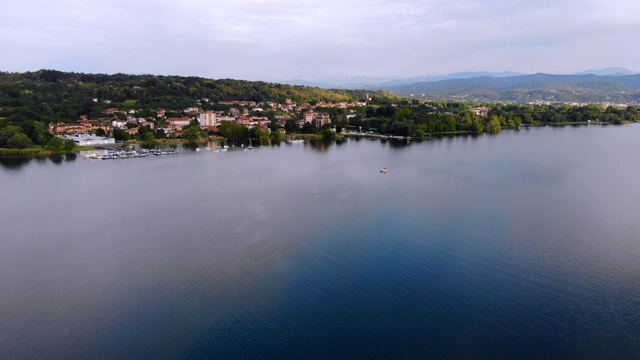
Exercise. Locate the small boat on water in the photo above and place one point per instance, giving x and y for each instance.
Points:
(384, 170)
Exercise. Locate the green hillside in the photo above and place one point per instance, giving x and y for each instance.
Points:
(52, 96)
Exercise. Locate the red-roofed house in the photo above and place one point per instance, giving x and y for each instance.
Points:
(178, 122)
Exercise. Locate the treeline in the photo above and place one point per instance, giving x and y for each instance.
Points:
(440, 117)
(560, 114)
(19, 132)
(56, 96)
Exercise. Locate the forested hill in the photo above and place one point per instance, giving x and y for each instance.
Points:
(65, 95)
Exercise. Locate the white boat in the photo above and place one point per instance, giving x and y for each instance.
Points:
(384, 170)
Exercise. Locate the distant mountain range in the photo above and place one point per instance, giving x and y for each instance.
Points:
(379, 82)
(612, 84)
(527, 88)
(608, 71)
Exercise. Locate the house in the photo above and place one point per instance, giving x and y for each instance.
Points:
(178, 122)
(118, 124)
(480, 111)
(193, 109)
(68, 128)
(225, 118)
(244, 120)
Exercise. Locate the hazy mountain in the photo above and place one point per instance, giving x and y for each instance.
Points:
(458, 75)
(363, 82)
(526, 88)
(617, 71)
(302, 82)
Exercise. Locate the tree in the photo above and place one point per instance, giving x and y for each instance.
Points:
(19, 141)
(55, 144)
(493, 126)
(120, 135)
(328, 134)
(477, 126)
(192, 134)
(7, 133)
(69, 144)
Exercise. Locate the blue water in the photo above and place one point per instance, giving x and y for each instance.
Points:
(521, 245)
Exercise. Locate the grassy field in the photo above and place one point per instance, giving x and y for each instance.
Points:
(130, 102)
(40, 151)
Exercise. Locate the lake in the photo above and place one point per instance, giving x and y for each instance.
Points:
(521, 245)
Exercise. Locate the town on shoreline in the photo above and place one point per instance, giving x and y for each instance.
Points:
(53, 112)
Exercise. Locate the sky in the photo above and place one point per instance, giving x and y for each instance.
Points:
(278, 40)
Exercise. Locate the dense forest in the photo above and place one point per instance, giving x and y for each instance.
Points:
(55, 96)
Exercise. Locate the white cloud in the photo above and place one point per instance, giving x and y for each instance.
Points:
(273, 40)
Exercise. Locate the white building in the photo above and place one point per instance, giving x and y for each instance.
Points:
(207, 118)
(90, 140)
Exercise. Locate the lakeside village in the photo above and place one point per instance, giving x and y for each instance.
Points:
(242, 120)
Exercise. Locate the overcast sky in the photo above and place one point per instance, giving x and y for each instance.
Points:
(316, 40)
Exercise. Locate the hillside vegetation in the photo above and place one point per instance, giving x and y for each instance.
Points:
(56, 96)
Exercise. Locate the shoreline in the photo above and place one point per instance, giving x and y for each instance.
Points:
(39, 152)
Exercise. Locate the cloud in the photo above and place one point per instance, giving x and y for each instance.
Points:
(279, 40)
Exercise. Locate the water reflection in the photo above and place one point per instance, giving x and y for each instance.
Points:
(14, 162)
(320, 145)
(398, 144)
(190, 146)
(57, 159)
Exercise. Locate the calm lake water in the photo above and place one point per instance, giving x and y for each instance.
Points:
(521, 245)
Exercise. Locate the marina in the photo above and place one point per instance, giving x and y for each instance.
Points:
(127, 154)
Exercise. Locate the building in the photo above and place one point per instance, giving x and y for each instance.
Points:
(207, 118)
(90, 140)
(322, 119)
(319, 119)
(181, 121)
(480, 111)
(225, 118)
(68, 128)
(308, 116)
